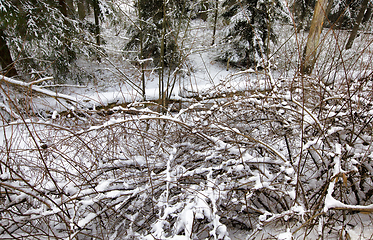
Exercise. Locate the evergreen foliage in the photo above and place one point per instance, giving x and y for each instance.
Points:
(44, 35)
(146, 33)
(302, 11)
(343, 13)
(37, 29)
(249, 30)
(201, 9)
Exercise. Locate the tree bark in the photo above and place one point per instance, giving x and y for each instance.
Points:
(63, 7)
(142, 52)
(96, 10)
(81, 9)
(310, 53)
(215, 21)
(359, 19)
(367, 15)
(162, 94)
(6, 60)
(70, 7)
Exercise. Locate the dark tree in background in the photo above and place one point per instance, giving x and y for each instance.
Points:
(47, 36)
(6, 61)
(302, 11)
(364, 14)
(39, 32)
(146, 32)
(249, 30)
(7, 18)
(343, 13)
(97, 14)
(155, 37)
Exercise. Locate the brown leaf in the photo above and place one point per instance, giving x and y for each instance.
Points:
(344, 179)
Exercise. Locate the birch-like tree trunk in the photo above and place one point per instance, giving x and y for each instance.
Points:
(310, 52)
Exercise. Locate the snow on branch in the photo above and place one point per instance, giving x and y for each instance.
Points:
(332, 203)
(9, 110)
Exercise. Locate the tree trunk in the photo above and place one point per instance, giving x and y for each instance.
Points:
(96, 10)
(70, 7)
(359, 18)
(81, 9)
(215, 21)
(142, 53)
(6, 60)
(310, 53)
(367, 15)
(63, 7)
(161, 77)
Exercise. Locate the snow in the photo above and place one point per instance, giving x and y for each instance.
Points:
(358, 233)
(285, 236)
(87, 219)
(103, 185)
(331, 202)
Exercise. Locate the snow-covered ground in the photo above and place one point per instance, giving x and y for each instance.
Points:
(203, 75)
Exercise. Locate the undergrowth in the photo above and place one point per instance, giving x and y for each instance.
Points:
(296, 157)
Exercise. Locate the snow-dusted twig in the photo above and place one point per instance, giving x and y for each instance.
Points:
(39, 81)
(9, 110)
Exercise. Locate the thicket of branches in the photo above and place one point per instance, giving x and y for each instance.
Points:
(246, 163)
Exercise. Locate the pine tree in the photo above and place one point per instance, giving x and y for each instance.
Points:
(343, 13)
(47, 36)
(6, 61)
(302, 11)
(146, 32)
(155, 35)
(250, 30)
(7, 17)
(39, 33)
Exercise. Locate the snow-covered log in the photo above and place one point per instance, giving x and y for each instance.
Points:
(36, 89)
